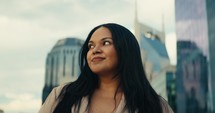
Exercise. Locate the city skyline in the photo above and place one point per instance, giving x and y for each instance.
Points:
(29, 29)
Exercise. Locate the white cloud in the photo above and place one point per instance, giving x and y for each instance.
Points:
(21, 103)
(16, 33)
(150, 13)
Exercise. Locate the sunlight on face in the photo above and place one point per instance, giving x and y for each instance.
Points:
(102, 56)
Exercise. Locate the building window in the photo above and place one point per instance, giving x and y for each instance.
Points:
(57, 66)
(64, 65)
(47, 71)
(73, 65)
(52, 71)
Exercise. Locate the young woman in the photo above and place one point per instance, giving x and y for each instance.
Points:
(112, 78)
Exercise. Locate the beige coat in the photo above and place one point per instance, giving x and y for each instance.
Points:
(52, 101)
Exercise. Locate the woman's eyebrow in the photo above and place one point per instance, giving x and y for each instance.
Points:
(90, 42)
(101, 39)
(106, 38)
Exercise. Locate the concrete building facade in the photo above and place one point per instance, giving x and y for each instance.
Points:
(62, 64)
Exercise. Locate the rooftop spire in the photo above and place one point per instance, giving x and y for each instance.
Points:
(136, 23)
(135, 13)
(163, 26)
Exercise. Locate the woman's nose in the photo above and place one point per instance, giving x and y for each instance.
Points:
(97, 50)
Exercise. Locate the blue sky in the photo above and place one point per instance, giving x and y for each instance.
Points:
(30, 28)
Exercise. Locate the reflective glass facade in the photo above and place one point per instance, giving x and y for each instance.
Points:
(192, 56)
(210, 6)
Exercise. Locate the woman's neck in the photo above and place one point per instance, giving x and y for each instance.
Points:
(106, 97)
(108, 85)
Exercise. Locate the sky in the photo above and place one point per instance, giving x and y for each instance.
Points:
(30, 28)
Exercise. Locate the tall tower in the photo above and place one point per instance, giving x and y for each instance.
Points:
(136, 23)
(192, 55)
(62, 64)
(191, 80)
(154, 54)
(210, 6)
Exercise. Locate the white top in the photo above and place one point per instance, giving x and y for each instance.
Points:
(52, 101)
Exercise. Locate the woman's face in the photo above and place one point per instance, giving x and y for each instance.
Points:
(102, 57)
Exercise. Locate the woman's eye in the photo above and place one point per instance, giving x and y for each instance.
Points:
(106, 43)
(90, 46)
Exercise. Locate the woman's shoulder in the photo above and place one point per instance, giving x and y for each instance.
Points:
(165, 106)
(57, 90)
(52, 100)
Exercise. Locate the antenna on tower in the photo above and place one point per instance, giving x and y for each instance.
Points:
(136, 23)
(135, 13)
(163, 26)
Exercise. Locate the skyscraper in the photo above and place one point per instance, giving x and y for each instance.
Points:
(62, 64)
(191, 79)
(192, 56)
(156, 62)
(210, 6)
(154, 54)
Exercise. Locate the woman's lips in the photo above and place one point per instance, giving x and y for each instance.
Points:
(97, 59)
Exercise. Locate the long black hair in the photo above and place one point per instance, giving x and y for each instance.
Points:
(139, 95)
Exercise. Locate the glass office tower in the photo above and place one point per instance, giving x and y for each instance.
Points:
(210, 6)
(192, 56)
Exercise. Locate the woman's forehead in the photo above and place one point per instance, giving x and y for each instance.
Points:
(100, 34)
